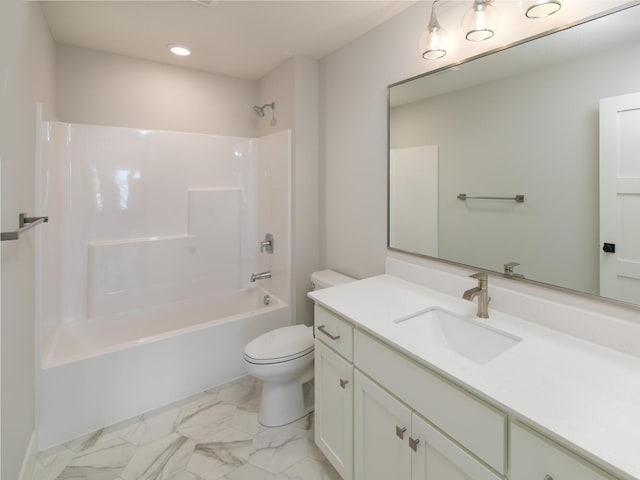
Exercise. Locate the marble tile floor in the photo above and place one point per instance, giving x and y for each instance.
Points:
(214, 435)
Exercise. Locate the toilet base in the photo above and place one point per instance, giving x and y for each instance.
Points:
(282, 403)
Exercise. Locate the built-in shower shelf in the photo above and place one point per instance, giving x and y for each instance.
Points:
(127, 241)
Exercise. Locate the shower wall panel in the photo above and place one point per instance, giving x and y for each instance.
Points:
(143, 218)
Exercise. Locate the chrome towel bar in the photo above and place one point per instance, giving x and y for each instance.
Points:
(517, 198)
(26, 223)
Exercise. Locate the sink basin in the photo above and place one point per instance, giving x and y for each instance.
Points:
(467, 337)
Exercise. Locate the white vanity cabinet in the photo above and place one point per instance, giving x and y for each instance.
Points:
(474, 424)
(393, 442)
(534, 457)
(382, 414)
(333, 417)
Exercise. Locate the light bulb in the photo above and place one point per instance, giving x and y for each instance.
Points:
(434, 40)
(479, 22)
(180, 50)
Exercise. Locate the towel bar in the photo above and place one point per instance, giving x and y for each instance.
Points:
(26, 223)
(517, 198)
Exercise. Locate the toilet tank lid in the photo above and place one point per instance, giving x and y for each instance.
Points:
(329, 278)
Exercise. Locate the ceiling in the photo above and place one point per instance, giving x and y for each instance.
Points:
(243, 39)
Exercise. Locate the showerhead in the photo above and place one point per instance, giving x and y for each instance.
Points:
(260, 110)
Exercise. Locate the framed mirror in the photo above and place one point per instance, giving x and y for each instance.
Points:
(526, 161)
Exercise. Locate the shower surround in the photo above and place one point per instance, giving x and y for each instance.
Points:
(144, 267)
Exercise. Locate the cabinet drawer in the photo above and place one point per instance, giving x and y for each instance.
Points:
(534, 457)
(334, 332)
(469, 421)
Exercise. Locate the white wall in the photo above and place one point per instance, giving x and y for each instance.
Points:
(26, 77)
(354, 120)
(106, 89)
(294, 87)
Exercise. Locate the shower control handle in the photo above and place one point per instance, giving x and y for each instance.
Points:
(267, 245)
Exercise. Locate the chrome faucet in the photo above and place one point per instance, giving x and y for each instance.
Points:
(260, 276)
(482, 292)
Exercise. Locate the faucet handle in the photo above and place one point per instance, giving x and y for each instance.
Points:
(508, 267)
(482, 276)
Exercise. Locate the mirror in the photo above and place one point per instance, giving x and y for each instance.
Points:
(556, 120)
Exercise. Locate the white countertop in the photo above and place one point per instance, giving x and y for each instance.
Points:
(579, 393)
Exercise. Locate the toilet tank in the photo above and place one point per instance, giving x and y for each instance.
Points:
(328, 278)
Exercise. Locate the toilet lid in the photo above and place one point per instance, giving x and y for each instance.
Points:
(280, 345)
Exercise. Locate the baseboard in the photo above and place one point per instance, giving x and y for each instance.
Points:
(29, 462)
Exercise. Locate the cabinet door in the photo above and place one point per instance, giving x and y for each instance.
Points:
(536, 458)
(382, 426)
(334, 409)
(436, 457)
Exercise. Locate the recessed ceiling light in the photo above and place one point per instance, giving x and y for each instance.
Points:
(179, 49)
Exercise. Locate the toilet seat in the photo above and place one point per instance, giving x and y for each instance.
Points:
(280, 345)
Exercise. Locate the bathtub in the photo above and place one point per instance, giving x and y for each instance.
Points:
(104, 370)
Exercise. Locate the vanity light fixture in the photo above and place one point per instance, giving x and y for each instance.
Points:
(540, 8)
(479, 22)
(179, 50)
(433, 41)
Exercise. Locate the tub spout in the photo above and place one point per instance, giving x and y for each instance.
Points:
(260, 276)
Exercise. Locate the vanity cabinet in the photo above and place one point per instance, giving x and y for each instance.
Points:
(474, 424)
(380, 414)
(534, 457)
(392, 441)
(333, 417)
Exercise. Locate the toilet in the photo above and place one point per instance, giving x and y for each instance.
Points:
(283, 360)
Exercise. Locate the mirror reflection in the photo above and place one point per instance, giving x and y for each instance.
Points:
(556, 121)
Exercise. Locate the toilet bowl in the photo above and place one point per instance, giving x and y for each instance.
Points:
(283, 360)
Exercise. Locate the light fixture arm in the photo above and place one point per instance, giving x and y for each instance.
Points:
(433, 20)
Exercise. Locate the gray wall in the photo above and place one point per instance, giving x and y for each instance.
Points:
(354, 121)
(294, 87)
(533, 133)
(106, 89)
(27, 71)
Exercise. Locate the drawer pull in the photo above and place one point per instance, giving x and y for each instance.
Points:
(413, 443)
(548, 477)
(343, 383)
(400, 432)
(332, 337)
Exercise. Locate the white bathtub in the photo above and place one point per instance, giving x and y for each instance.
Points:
(100, 371)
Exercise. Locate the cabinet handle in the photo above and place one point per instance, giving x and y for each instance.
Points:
(413, 443)
(332, 337)
(343, 383)
(400, 432)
